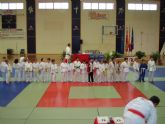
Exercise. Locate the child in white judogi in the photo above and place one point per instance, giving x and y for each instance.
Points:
(22, 68)
(28, 71)
(111, 71)
(118, 71)
(8, 72)
(151, 69)
(64, 70)
(70, 71)
(125, 69)
(16, 67)
(77, 64)
(106, 71)
(136, 69)
(53, 71)
(83, 70)
(47, 69)
(42, 70)
(36, 76)
(3, 69)
(102, 71)
(96, 71)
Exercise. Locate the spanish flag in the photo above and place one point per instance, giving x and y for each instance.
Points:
(127, 48)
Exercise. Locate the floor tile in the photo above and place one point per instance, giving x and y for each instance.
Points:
(64, 113)
(15, 113)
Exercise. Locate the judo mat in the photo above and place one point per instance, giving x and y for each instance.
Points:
(74, 103)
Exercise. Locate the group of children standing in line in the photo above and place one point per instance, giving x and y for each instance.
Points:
(94, 71)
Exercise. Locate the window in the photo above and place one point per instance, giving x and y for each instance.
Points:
(20, 6)
(41, 6)
(110, 6)
(11, 6)
(87, 5)
(64, 5)
(149, 7)
(56, 5)
(4, 6)
(102, 5)
(153, 7)
(98, 6)
(48, 5)
(146, 6)
(131, 6)
(139, 6)
(95, 6)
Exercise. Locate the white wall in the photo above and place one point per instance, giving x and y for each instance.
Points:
(53, 30)
(15, 44)
(146, 29)
(91, 31)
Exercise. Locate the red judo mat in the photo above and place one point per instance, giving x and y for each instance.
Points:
(57, 95)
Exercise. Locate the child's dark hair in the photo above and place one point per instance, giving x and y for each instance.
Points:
(155, 99)
(16, 61)
(53, 60)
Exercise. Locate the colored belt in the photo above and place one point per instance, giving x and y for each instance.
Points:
(136, 112)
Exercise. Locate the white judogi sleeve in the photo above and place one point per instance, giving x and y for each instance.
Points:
(35, 71)
(151, 65)
(145, 107)
(77, 70)
(64, 69)
(53, 68)
(42, 71)
(136, 66)
(17, 71)
(53, 72)
(125, 66)
(153, 117)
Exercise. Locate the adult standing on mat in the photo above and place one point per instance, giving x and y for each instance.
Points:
(90, 71)
(68, 52)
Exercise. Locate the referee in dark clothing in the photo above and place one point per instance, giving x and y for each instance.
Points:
(90, 71)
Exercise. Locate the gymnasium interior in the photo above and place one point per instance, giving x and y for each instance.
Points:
(95, 29)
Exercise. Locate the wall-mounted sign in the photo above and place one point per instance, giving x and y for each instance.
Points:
(97, 15)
